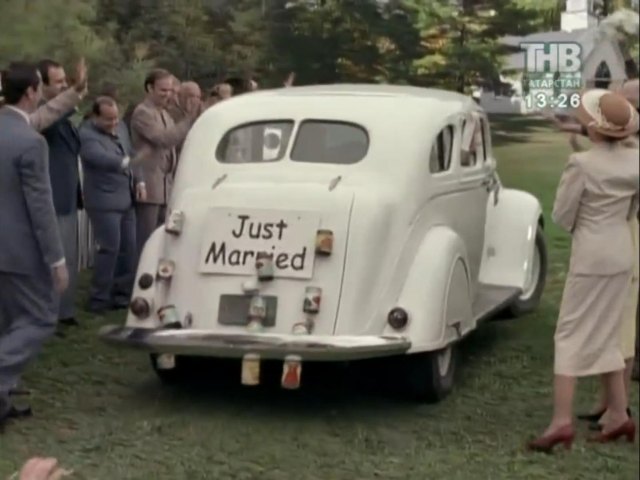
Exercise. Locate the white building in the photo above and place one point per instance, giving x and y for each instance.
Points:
(604, 64)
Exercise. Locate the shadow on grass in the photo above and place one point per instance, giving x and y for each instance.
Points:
(369, 388)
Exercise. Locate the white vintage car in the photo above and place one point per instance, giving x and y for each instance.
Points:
(335, 223)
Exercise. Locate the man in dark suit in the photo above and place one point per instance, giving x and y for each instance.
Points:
(109, 187)
(64, 148)
(32, 262)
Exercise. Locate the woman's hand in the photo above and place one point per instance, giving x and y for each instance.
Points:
(42, 469)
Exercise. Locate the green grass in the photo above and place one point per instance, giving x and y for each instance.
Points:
(102, 412)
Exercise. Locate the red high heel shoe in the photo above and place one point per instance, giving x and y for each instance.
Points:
(627, 430)
(564, 435)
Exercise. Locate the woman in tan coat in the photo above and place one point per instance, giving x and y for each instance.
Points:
(630, 90)
(596, 196)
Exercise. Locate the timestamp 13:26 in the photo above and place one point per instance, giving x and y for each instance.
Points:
(562, 100)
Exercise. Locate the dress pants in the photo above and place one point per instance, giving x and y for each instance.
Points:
(149, 217)
(68, 226)
(115, 260)
(29, 304)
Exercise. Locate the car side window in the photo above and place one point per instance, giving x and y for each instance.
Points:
(486, 139)
(482, 139)
(477, 153)
(440, 155)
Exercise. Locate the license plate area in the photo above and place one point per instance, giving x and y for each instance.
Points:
(234, 310)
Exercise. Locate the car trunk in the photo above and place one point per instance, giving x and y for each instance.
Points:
(224, 228)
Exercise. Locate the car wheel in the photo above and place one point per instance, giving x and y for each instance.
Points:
(171, 376)
(430, 375)
(529, 300)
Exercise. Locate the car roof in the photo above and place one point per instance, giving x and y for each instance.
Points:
(368, 90)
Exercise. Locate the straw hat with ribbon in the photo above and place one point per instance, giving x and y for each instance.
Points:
(607, 113)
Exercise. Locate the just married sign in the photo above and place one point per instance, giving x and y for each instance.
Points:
(233, 237)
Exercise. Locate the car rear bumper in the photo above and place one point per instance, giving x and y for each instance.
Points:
(268, 346)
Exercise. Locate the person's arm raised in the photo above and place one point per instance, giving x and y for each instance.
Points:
(145, 124)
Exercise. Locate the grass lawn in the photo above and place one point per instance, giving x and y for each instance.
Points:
(102, 412)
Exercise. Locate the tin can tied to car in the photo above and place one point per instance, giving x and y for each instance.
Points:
(169, 316)
(324, 242)
(257, 312)
(174, 222)
(251, 369)
(264, 266)
(312, 299)
(291, 372)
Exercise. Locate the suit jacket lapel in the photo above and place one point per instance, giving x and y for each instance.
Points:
(70, 134)
(67, 130)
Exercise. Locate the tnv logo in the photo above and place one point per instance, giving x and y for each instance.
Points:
(543, 57)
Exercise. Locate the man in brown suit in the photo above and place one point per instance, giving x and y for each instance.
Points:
(155, 137)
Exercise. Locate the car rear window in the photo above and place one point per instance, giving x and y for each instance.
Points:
(317, 141)
(321, 141)
(255, 142)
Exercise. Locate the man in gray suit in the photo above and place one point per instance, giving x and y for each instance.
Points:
(32, 263)
(49, 113)
(109, 186)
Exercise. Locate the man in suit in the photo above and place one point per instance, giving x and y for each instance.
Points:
(188, 93)
(155, 137)
(51, 111)
(32, 262)
(60, 105)
(64, 148)
(109, 186)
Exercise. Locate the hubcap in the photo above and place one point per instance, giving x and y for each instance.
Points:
(444, 361)
(534, 276)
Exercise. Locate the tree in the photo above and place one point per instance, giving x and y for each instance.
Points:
(460, 44)
(343, 40)
(26, 27)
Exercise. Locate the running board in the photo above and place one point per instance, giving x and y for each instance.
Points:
(491, 299)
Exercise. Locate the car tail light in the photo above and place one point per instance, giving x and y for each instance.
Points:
(140, 307)
(174, 222)
(324, 242)
(166, 268)
(398, 318)
(145, 281)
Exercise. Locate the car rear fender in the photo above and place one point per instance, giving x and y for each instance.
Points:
(510, 236)
(436, 292)
(149, 258)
